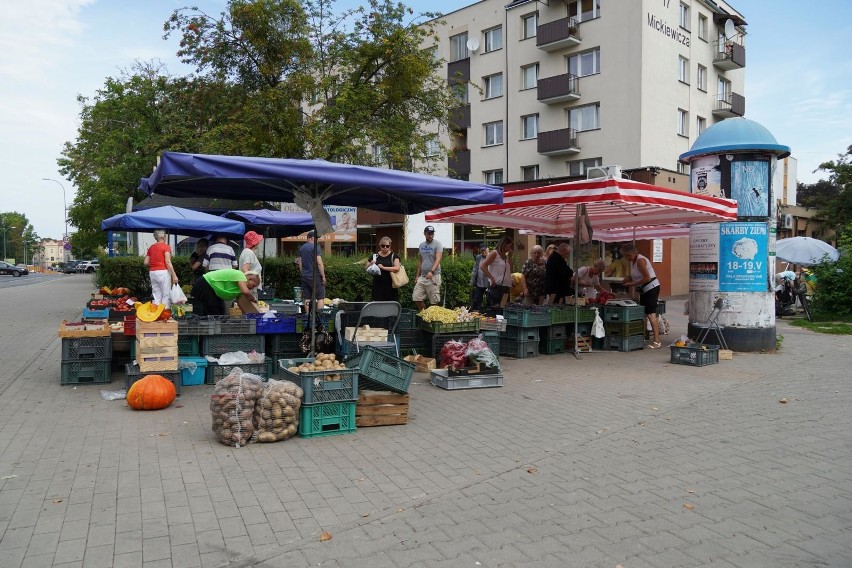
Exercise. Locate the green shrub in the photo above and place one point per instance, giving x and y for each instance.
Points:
(346, 277)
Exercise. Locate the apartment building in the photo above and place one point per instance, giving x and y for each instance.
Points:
(553, 89)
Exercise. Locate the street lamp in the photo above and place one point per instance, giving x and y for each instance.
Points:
(65, 206)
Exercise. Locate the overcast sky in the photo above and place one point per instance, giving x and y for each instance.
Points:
(798, 80)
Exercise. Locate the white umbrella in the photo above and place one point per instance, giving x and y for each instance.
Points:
(805, 251)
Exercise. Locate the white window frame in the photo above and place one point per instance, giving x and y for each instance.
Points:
(527, 122)
(701, 78)
(493, 133)
(575, 10)
(683, 69)
(702, 27)
(493, 177)
(700, 125)
(458, 47)
(683, 16)
(525, 170)
(493, 39)
(582, 166)
(582, 61)
(525, 79)
(682, 122)
(433, 146)
(492, 86)
(723, 89)
(526, 31)
(578, 117)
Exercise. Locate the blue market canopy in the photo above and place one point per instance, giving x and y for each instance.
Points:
(311, 183)
(176, 220)
(273, 223)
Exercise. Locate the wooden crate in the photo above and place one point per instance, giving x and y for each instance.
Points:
(80, 329)
(584, 343)
(381, 408)
(157, 345)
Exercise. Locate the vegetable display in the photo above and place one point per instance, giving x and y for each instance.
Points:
(276, 413)
(233, 404)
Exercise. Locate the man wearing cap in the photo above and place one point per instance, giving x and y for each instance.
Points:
(307, 254)
(428, 279)
(212, 290)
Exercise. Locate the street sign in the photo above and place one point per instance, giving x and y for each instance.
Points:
(67, 246)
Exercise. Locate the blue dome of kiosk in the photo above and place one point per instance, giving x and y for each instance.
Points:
(735, 135)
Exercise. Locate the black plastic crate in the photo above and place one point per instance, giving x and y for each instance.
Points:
(412, 339)
(518, 349)
(407, 319)
(521, 333)
(286, 343)
(558, 331)
(133, 374)
(86, 348)
(219, 344)
(86, 372)
(214, 372)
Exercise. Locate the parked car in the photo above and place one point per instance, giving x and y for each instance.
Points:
(70, 267)
(88, 265)
(6, 268)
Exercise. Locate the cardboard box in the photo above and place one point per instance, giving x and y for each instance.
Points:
(366, 334)
(726, 355)
(423, 364)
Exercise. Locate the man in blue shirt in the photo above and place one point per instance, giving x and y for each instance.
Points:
(309, 254)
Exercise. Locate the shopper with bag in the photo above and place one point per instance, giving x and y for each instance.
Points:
(497, 268)
(387, 263)
(158, 259)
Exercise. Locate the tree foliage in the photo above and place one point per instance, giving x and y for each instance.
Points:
(17, 234)
(835, 206)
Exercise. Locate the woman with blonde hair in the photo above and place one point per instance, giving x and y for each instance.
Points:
(158, 259)
(497, 268)
(387, 261)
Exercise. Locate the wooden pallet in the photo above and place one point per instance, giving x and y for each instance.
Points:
(381, 408)
(584, 343)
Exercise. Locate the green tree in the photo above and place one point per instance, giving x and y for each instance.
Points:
(836, 208)
(17, 236)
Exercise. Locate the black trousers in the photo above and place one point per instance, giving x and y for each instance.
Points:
(205, 302)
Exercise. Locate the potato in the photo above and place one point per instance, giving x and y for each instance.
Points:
(266, 437)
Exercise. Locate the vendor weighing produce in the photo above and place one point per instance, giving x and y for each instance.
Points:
(212, 290)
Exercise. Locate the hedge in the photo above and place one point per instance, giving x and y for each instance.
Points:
(346, 277)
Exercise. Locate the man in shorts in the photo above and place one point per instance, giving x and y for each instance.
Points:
(310, 254)
(428, 278)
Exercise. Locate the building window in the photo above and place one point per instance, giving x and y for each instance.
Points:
(682, 122)
(683, 69)
(683, 19)
(458, 47)
(580, 167)
(494, 133)
(494, 86)
(530, 26)
(702, 78)
(582, 10)
(723, 89)
(529, 77)
(529, 173)
(433, 147)
(460, 91)
(493, 39)
(702, 27)
(700, 125)
(493, 177)
(529, 127)
(585, 118)
(583, 64)
(378, 154)
(682, 168)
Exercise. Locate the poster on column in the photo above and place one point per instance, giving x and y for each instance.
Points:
(750, 187)
(704, 257)
(743, 257)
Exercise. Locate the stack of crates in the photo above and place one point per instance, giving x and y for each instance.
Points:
(329, 399)
(234, 334)
(412, 339)
(625, 328)
(553, 339)
(155, 351)
(86, 360)
(522, 336)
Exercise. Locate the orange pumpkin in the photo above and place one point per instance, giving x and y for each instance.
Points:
(151, 392)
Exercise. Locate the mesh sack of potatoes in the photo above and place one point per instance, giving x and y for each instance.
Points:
(276, 413)
(232, 405)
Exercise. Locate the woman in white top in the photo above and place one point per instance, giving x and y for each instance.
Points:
(248, 258)
(497, 268)
(589, 279)
(642, 275)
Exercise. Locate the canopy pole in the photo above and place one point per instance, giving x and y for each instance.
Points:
(577, 283)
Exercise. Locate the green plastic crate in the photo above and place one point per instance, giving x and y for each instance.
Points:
(326, 419)
(552, 346)
(492, 338)
(527, 317)
(695, 355)
(623, 313)
(629, 343)
(188, 345)
(219, 344)
(380, 370)
(518, 349)
(216, 372)
(520, 333)
(454, 327)
(636, 327)
(318, 388)
(86, 372)
(559, 331)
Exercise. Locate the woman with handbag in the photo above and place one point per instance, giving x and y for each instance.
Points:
(497, 268)
(388, 263)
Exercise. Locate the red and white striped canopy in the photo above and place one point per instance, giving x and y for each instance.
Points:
(610, 204)
(633, 233)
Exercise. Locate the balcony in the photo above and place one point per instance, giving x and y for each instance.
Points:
(558, 34)
(729, 106)
(556, 142)
(458, 163)
(558, 89)
(458, 71)
(460, 117)
(728, 55)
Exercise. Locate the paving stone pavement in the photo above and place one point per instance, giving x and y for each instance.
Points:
(615, 458)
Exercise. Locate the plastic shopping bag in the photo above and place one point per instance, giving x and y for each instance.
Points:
(178, 297)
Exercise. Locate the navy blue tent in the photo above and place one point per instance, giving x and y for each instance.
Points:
(274, 224)
(176, 220)
(310, 183)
